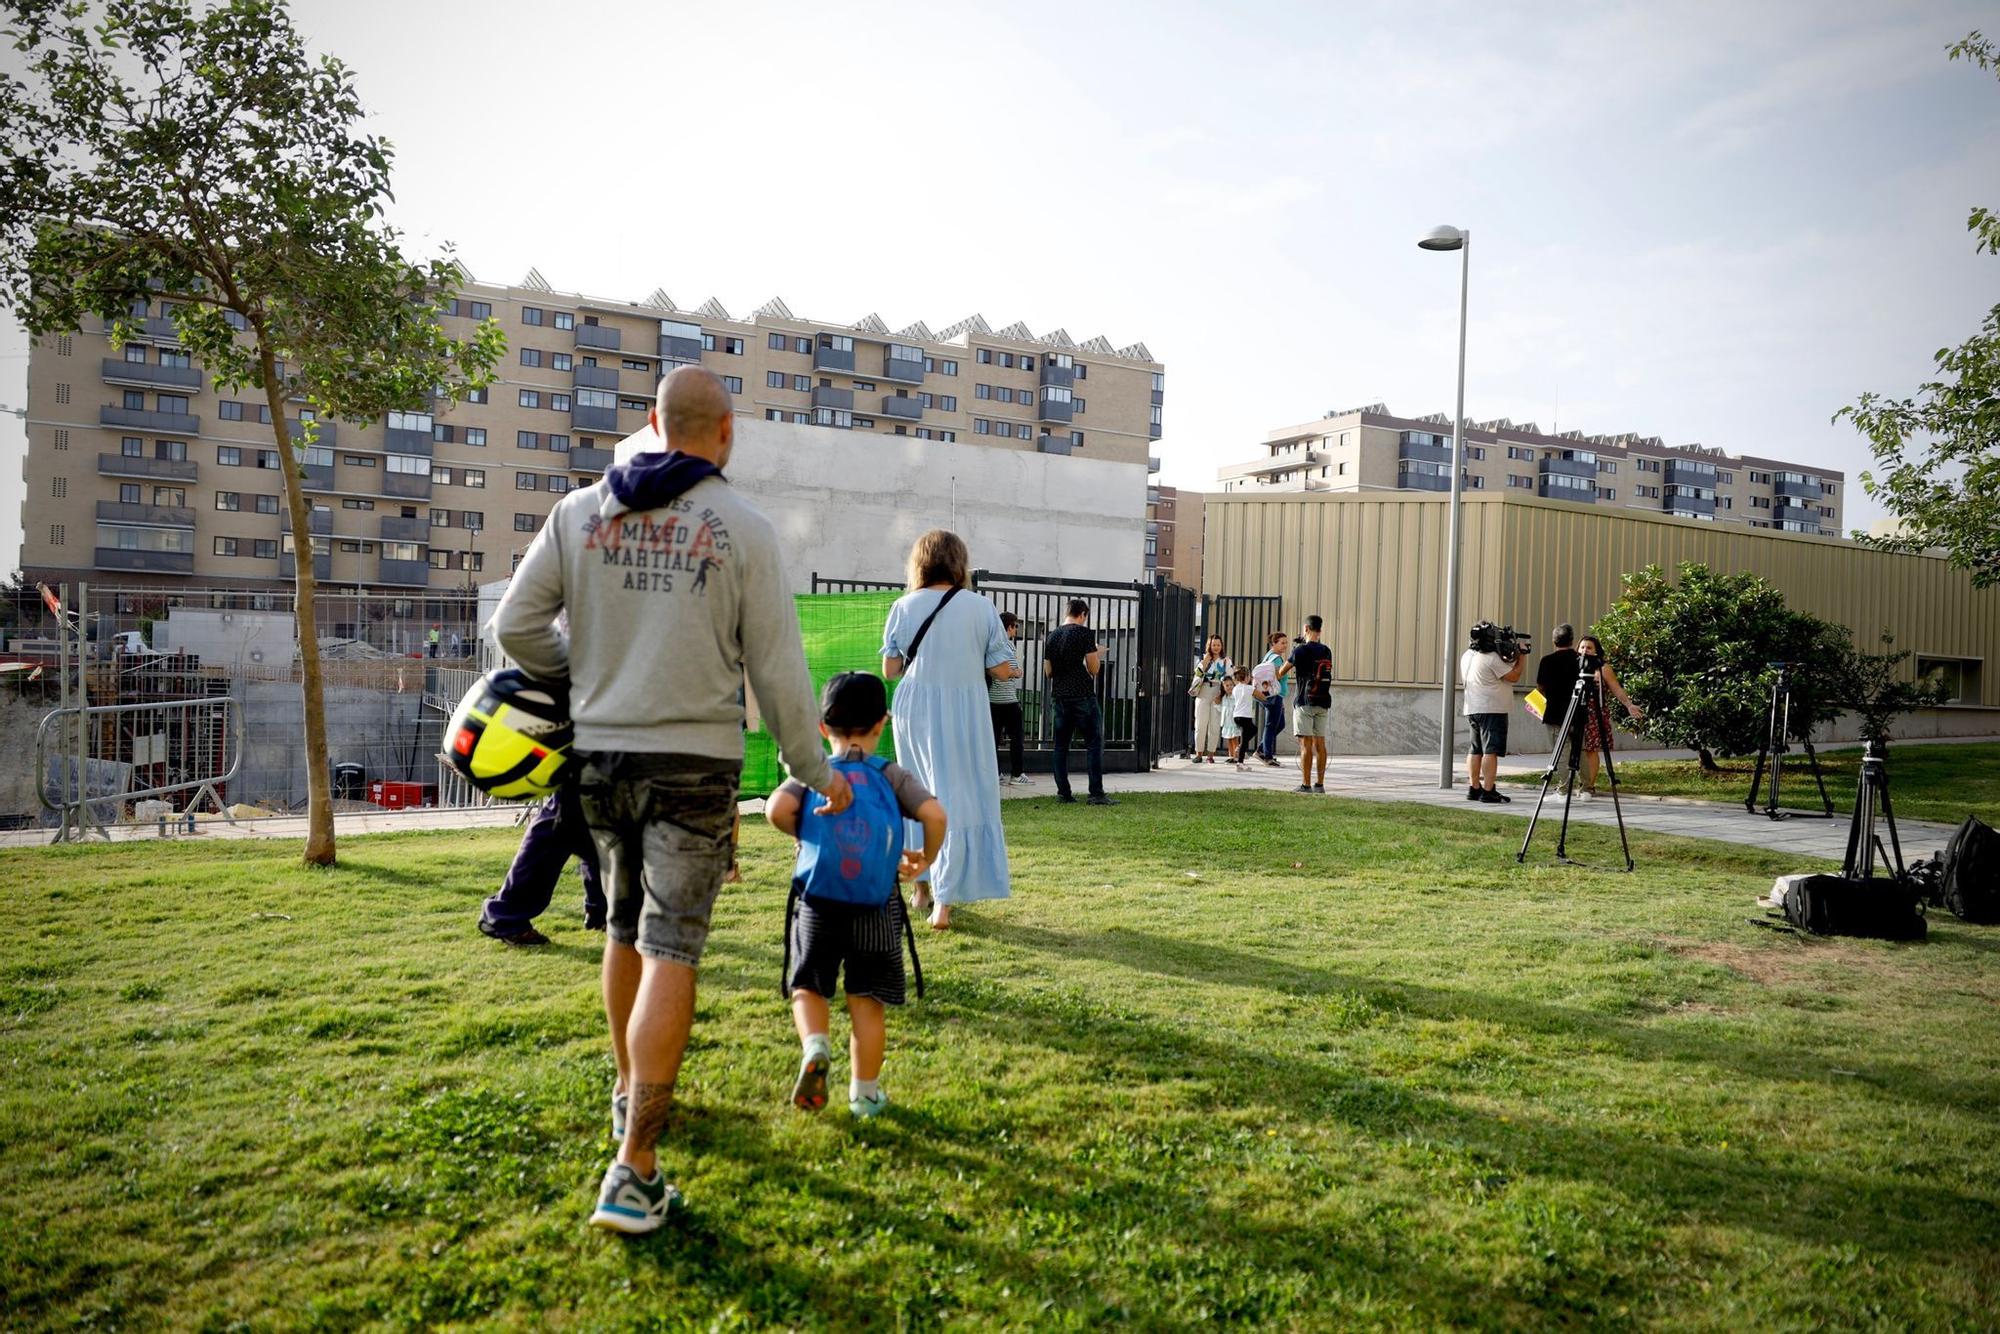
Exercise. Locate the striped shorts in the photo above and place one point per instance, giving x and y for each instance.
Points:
(868, 942)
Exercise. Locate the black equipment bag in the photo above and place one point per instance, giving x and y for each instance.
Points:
(1971, 872)
(1832, 905)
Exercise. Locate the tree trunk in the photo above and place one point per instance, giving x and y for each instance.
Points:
(319, 793)
(1708, 764)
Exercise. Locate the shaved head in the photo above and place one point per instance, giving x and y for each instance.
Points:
(693, 414)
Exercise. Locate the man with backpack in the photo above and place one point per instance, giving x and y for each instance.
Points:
(674, 587)
(1312, 664)
(845, 911)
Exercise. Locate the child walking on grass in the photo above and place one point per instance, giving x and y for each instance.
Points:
(1243, 700)
(845, 909)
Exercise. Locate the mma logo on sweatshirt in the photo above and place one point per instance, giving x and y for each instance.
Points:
(655, 552)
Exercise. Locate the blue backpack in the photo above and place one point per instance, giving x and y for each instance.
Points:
(853, 857)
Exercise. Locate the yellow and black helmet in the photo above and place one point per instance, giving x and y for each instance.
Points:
(510, 736)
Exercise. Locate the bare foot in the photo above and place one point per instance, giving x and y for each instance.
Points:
(733, 877)
(941, 918)
(920, 898)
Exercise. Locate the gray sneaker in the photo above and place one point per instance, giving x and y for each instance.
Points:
(627, 1204)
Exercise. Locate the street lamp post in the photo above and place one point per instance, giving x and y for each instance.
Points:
(1459, 239)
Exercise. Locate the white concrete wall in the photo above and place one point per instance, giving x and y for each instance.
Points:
(848, 504)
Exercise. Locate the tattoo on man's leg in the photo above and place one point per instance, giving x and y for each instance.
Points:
(648, 1115)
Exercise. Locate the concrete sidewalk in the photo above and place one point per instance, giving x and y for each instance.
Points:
(1411, 778)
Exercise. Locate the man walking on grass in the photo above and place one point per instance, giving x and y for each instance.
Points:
(1312, 663)
(1071, 660)
(674, 587)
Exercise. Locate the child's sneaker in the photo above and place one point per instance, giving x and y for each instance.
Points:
(809, 1090)
(626, 1203)
(869, 1104)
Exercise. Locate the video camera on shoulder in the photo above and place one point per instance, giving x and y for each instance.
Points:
(1504, 640)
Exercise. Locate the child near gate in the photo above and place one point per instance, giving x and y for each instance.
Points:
(1243, 700)
(845, 909)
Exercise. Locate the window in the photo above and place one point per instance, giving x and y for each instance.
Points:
(633, 364)
(1607, 465)
(1476, 453)
(527, 440)
(472, 477)
(801, 419)
(315, 456)
(1826, 488)
(777, 342)
(733, 383)
(1024, 431)
(644, 404)
(352, 504)
(947, 368)
(472, 520)
(420, 422)
(556, 444)
(1027, 363)
(402, 551)
(482, 310)
(984, 356)
(947, 402)
(864, 386)
(561, 361)
(1007, 360)
(478, 395)
(358, 461)
(595, 398)
(409, 465)
(531, 356)
(531, 398)
(440, 559)
(1004, 394)
(229, 411)
(1958, 676)
(1826, 512)
(476, 436)
(1727, 502)
(527, 481)
(732, 347)
(175, 451)
(837, 342)
(1474, 483)
(776, 379)
(980, 426)
(1155, 417)
(225, 546)
(923, 401)
(264, 548)
(802, 346)
(133, 399)
(1725, 478)
(1518, 452)
(947, 435)
(801, 383)
(231, 501)
(135, 354)
(1607, 493)
(982, 391)
(1646, 465)
(556, 485)
(440, 475)
(1760, 502)
(532, 315)
(838, 417)
(527, 523)
(267, 505)
(440, 518)
(773, 415)
(565, 320)
(132, 447)
(1076, 404)
(560, 402)
(131, 493)
(1076, 442)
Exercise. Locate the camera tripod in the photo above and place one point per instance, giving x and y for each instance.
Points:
(1586, 704)
(1862, 842)
(1777, 733)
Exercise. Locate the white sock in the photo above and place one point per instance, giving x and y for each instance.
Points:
(817, 1045)
(857, 1089)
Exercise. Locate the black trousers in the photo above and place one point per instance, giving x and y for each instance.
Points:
(1007, 727)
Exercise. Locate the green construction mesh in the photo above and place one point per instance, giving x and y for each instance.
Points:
(842, 633)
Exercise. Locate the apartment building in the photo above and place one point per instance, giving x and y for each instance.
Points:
(139, 474)
(1174, 535)
(1372, 449)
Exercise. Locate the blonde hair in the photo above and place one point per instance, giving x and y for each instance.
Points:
(939, 557)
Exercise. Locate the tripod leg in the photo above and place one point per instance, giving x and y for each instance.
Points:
(1611, 773)
(1889, 818)
(1562, 748)
(1757, 777)
(1819, 777)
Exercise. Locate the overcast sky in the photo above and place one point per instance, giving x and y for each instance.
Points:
(1707, 222)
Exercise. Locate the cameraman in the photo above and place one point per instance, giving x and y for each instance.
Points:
(1555, 677)
(1488, 675)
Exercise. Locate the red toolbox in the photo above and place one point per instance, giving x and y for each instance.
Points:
(396, 796)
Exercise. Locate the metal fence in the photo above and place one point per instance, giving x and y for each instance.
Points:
(95, 764)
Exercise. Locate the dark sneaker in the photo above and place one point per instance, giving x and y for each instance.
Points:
(809, 1089)
(1099, 800)
(1304, 787)
(1475, 793)
(1270, 762)
(1066, 798)
(627, 1204)
(593, 921)
(1497, 798)
(1319, 789)
(526, 936)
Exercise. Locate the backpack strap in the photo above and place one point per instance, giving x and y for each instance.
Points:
(910, 935)
(925, 628)
(785, 968)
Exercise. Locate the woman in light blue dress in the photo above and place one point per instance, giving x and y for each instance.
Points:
(944, 727)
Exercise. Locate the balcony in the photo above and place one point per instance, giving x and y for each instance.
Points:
(416, 573)
(117, 370)
(324, 432)
(1703, 505)
(1568, 486)
(902, 409)
(407, 485)
(1152, 464)
(146, 562)
(1159, 396)
(1060, 377)
(396, 528)
(903, 370)
(396, 440)
(318, 476)
(1795, 513)
(594, 377)
(583, 418)
(173, 423)
(590, 460)
(1805, 490)
(322, 566)
(1424, 481)
(1153, 431)
(152, 329)
(1275, 463)
(1052, 410)
(151, 516)
(599, 336)
(1690, 474)
(1557, 466)
(1052, 444)
(1411, 449)
(160, 470)
(825, 396)
(833, 359)
(676, 347)
(320, 521)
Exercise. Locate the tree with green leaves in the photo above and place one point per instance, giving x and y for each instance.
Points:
(1938, 453)
(1875, 687)
(204, 158)
(1694, 651)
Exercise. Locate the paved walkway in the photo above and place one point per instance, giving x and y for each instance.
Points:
(1411, 778)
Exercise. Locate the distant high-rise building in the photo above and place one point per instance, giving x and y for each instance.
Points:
(1174, 535)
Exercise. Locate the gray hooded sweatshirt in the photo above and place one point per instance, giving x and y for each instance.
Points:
(673, 588)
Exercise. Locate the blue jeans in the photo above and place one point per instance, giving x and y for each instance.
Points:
(1274, 726)
(556, 832)
(1073, 716)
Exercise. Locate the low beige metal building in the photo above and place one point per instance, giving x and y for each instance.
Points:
(1373, 566)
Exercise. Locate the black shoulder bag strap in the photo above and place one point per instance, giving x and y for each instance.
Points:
(910, 935)
(925, 628)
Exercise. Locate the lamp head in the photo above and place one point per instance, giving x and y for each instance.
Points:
(1443, 238)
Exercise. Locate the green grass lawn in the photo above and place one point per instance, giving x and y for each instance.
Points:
(1233, 1056)
(1935, 782)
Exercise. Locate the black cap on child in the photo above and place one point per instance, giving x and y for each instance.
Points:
(854, 702)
